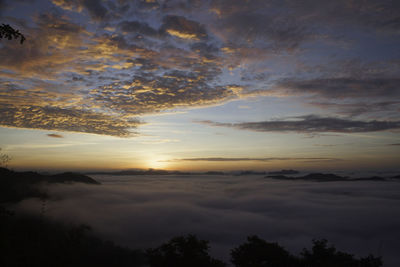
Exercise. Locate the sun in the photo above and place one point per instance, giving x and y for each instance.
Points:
(157, 163)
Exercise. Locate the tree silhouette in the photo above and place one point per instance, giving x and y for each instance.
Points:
(257, 252)
(4, 159)
(32, 241)
(6, 31)
(323, 255)
(183, 251)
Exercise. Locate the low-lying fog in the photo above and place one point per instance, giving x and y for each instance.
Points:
(144, 211)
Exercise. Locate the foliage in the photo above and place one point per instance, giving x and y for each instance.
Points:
(182, 252)
(322, 255)
(30, 241)
(4, 159)
(6, 31)
(260, 253)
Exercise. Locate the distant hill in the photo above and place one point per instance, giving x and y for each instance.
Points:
(244, 173)
(15, 186)
(142, 172)
(321, 177)
(328, 177)
(283, 172)
(34, 177)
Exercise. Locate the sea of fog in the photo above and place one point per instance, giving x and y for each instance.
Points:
(143, 211)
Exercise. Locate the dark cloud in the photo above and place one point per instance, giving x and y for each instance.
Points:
(257, 29)
(359, 108)
(205, 49)
(184, 28)
(95, 8)
(181, 5)
(376, 15)
(274, 27)
(119, 7)
(3, 6)
(350, 96)
(149, 5)
(343, 87)
(138, 27)
(68, 4)
(312, 124)
(146, 211)
(55, 135)
(54, 25)
(381, 15)
(254, 159)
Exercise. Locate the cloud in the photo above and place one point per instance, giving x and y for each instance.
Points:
(107, 75)
(312, 124)
(143, 57)
(260, 30)
(3, 6)
(146, 211)
(50, 49)
(340, 88)
(379, 16)
(151, 93)
(359, 108)
(68, 4)
(95, 8)
(184, 28)
(351, 96)
(254, 159)
(55, 135)
(138, 27)
(75, 120)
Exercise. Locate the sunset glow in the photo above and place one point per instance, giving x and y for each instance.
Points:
(200, 133)
(239, 84)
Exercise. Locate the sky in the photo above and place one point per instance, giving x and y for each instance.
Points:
(201, 84)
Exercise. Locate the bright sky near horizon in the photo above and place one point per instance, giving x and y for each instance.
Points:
(201, 84)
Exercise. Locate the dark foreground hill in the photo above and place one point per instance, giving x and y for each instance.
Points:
(15, 186)
(30, 241)
(37, 241)
(34, 177)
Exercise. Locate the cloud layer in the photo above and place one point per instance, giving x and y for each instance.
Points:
(118, 60)
(312, 124)
(144, 211)
(255, 159)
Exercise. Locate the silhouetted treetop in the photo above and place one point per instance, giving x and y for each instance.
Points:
(257, 252)
(323, 255)
(4, 159)
(183, 251)
(6, 31)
